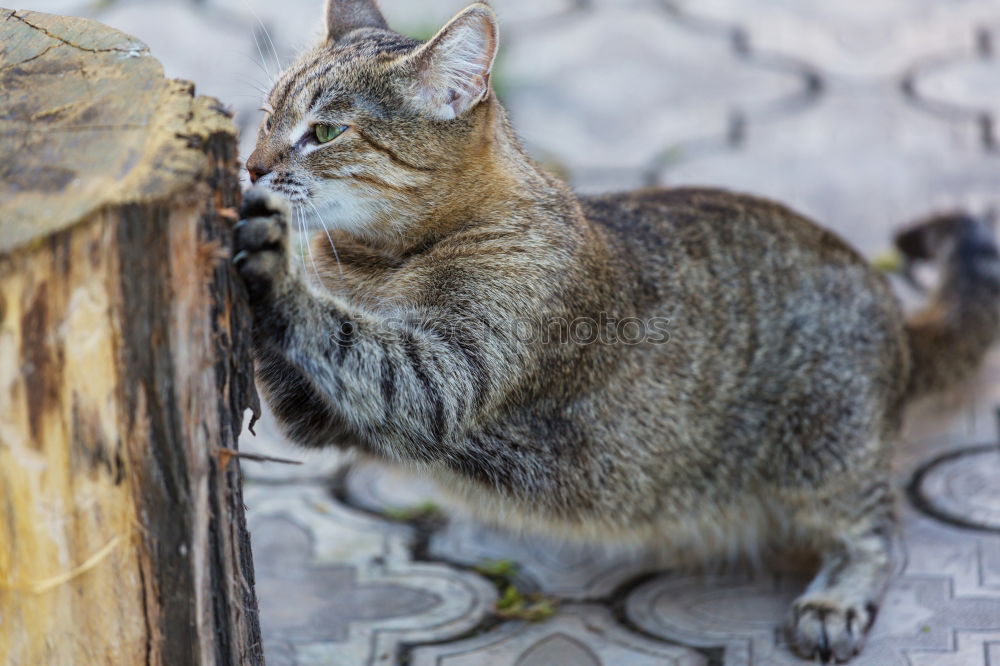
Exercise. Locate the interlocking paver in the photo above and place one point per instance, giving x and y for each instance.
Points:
(579, 635)
(562, 569)
(382, 489)
(552, 566)
(921, 619)
(861, 162)
(855, 40)
(964, 81)
(961, 487)
(623, 99)
(338, 587)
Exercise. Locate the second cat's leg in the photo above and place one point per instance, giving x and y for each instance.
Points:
(833, 616)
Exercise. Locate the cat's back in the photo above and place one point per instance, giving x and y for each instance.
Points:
(751, 288)
(711, 224)
(691, 244)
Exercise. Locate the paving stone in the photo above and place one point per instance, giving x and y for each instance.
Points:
(579, 635)
(611, 88)
(989, 563)
(963, 487)
(862, 162)
(963, 81)
(866, 40)
(970, 648)
(286, 572)
(557, 568)
(920, 615)
(970, 559)
(943, 609)
(554, 567)
(384, 488)
(338, 587)
(738, 613)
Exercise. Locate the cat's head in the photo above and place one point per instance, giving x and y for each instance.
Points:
(372, 131)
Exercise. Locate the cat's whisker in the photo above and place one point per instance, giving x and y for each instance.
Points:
(263, 61)
(267, 35)
(274, 49)
(256, 85)
(305, 238)
(298, 230)
(260, 65)
(328, 236)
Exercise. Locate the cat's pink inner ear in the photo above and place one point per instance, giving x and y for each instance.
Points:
(345, 16)
(453, 69)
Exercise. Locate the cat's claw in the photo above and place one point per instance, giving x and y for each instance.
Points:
(260, 244)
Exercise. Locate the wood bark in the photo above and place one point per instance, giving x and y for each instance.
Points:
(124, 359)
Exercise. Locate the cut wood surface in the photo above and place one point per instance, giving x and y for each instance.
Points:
(124, 359)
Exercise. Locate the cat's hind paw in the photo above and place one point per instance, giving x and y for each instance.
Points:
(260, 243)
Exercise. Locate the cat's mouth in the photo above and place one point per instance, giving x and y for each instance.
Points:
(323, 205)
(296, 193)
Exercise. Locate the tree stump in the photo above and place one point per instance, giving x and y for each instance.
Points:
(124, 359)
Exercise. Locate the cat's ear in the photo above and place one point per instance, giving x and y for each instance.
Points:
(344, 16)
(452, 70)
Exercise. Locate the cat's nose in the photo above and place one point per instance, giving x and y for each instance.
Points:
(256, 170)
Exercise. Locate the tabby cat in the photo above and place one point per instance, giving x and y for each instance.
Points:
(765, 412)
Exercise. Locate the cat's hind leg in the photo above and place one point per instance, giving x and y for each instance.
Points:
(833, 616)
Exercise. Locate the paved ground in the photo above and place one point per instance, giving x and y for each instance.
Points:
(862, 114)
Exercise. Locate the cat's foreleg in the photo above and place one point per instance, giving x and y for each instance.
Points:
(833, 616)
(409, 389)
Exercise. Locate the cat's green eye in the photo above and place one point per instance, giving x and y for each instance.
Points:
(326, 133)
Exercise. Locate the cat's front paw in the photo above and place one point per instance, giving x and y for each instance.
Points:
(260, 245)
(829, 629)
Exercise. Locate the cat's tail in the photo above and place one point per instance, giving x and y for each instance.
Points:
(949, 338)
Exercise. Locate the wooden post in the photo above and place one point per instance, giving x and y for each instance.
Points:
(124, 362)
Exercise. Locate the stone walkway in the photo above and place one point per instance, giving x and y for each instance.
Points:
(861, 114)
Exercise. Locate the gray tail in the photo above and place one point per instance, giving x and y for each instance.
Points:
(951, 336)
